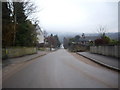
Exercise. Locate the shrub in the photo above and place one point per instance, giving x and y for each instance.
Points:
(102, 41)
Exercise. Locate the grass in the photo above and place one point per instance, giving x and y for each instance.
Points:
(41, 49)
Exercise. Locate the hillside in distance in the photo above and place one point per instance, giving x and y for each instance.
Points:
(61, 35)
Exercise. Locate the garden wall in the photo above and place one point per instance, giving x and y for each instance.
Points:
(106, 50)
(12, 52)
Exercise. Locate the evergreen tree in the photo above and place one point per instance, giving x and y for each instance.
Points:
(77, 37)
(17, 29)
(57, 42)
(25, 31)
(19, 12)
(7, 33)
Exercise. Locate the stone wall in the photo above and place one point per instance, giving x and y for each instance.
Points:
(12, 52)
(106, 50)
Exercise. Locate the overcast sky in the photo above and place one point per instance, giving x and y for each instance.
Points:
(83, 16)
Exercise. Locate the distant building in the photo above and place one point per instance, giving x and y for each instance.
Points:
(46, 41)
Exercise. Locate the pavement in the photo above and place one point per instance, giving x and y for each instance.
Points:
(23, 58)
(60, 69)
(106, 61)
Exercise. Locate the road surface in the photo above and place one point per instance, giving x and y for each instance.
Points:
(61, 69)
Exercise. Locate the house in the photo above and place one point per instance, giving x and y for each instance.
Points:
(87, 39)
(40, 36)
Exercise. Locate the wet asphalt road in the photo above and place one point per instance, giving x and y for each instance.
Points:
(60, 69)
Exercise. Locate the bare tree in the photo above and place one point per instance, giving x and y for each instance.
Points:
(102, 30)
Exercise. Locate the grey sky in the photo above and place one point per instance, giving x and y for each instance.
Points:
(77, 15)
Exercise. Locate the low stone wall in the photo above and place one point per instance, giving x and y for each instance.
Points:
(106, 50)
(17, 51)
